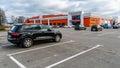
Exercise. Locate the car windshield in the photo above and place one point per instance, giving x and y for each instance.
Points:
(15, 28)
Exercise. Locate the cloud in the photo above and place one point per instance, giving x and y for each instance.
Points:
(39, 7)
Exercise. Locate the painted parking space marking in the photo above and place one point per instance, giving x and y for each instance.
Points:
(17, 62)
(41, 48)
(71, 57)
(23, 66)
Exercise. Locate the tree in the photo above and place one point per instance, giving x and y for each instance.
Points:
(2, 17)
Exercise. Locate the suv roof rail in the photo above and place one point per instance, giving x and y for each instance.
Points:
(26, 24)
(33, 23)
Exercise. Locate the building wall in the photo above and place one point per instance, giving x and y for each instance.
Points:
(53, 21)
(45, 22)
(31, 20)
(89, 21)
(76, 18)
(94, 21)
(102, 21)
(53, 15)
(59, 22)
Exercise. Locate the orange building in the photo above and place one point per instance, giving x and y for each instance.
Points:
(58, 19)
(72, 18)
(32, 20)
(91, 19)
(84, 19)
(75, 18)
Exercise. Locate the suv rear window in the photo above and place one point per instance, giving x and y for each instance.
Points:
(15, 28)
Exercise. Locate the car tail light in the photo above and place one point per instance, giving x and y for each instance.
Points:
(15, 33)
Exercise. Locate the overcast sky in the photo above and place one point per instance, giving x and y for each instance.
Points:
(39, 7)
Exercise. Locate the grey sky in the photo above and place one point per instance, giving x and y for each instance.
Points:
(39, 7)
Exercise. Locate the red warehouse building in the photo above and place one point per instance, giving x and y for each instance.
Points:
(72, 18)
(58, 19)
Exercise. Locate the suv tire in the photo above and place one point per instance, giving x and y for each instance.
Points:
(57, 38)
(27, 42)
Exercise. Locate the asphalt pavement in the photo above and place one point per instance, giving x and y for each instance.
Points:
(77, 49)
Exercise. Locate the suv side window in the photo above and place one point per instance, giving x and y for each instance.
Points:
(26, 27)
(31, 27)
(44, 27)
(35, 27)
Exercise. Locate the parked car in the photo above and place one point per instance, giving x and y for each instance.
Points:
(54, 26)
(77, 27)
(25, 34)
(116, 26)
(107, 26)
(69, 26)
(96, 28)
(66, 26)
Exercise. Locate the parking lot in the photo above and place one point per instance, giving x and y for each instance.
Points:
(77, 49)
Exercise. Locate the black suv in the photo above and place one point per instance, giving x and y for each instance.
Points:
(25, 34)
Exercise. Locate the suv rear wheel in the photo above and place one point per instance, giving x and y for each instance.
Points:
(27, 42)
(57, 38)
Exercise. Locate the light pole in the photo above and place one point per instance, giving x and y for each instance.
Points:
(0, 16)
(1, 20)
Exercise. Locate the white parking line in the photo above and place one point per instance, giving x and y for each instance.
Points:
(17, 62)
(41, 47)
(71, 57)
(20, 64)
